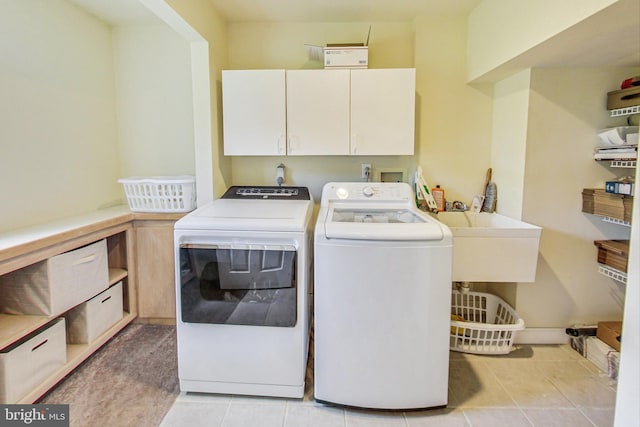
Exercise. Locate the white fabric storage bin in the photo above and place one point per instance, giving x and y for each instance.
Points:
(90, 319)
(25, 364)
(53, 286)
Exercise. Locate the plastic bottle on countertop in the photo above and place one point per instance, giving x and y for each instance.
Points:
(438, 195)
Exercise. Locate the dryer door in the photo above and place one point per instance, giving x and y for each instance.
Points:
(238, 285)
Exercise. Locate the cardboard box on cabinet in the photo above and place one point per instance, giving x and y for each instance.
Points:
(25, 364)
(53, 286)
(341, 55)
(89, 320)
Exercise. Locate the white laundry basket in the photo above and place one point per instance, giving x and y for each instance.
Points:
(160, 193)
(489, 325)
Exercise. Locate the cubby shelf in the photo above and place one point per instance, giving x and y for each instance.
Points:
(24, 248)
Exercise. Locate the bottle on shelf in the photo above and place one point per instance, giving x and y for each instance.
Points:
(438, 195)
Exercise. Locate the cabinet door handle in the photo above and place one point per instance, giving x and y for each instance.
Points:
(354, 143)
(281, 147)
(292, 144)
(85, 260)
(40, 345)
(105, 300)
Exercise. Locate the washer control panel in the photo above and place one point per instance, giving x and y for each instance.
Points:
(367, 191)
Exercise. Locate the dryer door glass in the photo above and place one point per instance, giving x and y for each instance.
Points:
(241, 285)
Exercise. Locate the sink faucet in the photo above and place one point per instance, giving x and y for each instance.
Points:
(456, 206)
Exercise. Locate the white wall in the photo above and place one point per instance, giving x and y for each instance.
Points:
(453, 118)
(501, 30)
(154, 101)
(58, 155)
(508, 149)
(567, 107)
(208, 57)
(281, 45)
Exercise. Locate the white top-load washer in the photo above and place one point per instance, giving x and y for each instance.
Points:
(242, 292)
(382, 293)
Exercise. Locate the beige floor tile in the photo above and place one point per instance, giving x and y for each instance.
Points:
(310, 415)
(357, 418)
(456, 355)
(203, 397)
(473, 384)
(437, 418)
(260, 400)
(452, 399)
(492, 417)
(526, 385)
(545, 352)
(578, 384)
(563, 369)
(252, 414)
(535, 393)
(557, 418)
(534, 385)
(589, 366)
(600, 417)
(517, 367)
(195, 414)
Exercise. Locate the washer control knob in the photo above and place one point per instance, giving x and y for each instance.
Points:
(367, 191)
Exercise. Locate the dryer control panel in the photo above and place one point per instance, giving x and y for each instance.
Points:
(267, 192)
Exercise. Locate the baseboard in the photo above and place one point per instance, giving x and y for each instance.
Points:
(542, 336)
(155, 320)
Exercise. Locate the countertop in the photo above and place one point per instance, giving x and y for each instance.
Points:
(16, 242)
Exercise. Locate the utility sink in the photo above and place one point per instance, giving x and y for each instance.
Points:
(489, 247)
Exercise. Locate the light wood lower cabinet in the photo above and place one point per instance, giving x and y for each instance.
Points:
(137, 243)
(155, 269)
(20, 250)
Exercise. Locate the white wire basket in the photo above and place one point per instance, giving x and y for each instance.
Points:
(489, 325)
(160, 193)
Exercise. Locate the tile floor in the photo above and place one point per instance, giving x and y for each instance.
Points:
(538, 385)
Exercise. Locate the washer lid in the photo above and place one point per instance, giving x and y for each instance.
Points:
(255, 215)
(372, 223)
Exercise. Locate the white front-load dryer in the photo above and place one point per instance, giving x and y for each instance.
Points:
(242, 293)
(382, 286)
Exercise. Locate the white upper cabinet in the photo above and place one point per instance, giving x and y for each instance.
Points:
(383, 111)
(254, 112)
(317, 112)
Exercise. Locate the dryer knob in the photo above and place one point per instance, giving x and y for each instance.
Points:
(367, 191)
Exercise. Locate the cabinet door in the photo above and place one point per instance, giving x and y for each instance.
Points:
(155, 265)
(254, 112)
(383, 111)
(318, 112)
